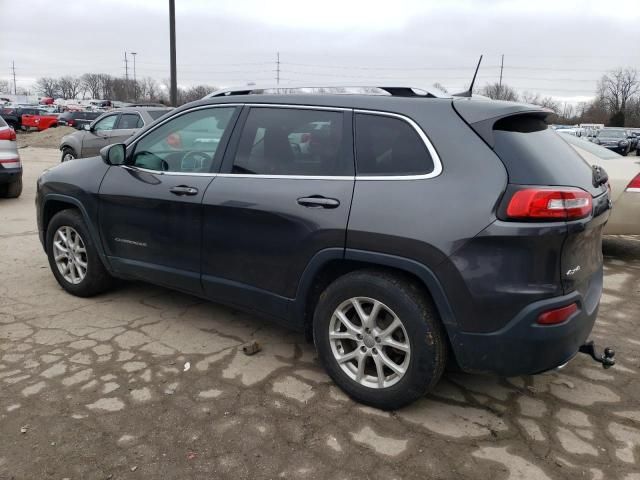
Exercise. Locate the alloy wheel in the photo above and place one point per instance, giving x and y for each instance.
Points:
(369, 342)
(70, 254)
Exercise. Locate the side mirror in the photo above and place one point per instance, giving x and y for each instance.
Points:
(86, 127)
(115, 154)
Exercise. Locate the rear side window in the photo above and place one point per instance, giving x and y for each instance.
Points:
(389, 146)
(2, 122)
(156, 114)
(288, 141)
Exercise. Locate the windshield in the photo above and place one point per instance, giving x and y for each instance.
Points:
(612, 134)
(155, 114)
(597, 150)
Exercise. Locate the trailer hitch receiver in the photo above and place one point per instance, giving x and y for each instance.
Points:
(607, 360)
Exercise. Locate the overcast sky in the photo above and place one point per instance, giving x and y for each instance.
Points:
(552, 47)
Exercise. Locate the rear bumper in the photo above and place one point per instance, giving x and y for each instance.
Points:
(624, 216)
(523, 347)
(10, 175)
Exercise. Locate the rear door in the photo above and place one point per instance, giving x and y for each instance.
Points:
(274, 206)
(99, 136)
(126, 126)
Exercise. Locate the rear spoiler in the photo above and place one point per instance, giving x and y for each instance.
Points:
(481, 115)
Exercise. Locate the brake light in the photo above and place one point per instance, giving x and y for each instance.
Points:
(8, 134)
(71, 122)
(634, 186)
(550, 203)
(557, 315)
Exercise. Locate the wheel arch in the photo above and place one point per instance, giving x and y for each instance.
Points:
(55, 203)
(330, 264)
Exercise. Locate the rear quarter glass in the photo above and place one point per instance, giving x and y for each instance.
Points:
(536, 155)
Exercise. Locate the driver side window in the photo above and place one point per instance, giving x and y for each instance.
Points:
(186, 143)
(106, 123)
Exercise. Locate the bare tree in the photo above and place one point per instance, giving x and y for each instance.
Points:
(48, 87)
(5, 86)
(496, 91)
(439, 86)
(70, 86)
(194, 93)
(537, 99)
(92, 82)
(617, 87)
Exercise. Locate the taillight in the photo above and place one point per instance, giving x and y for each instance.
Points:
(10, 162)
(561, 203)
(8, 134)
(634, 186)
(305, 137)
(557, 315)
(71, 122)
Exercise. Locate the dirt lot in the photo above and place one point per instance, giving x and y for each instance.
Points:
(49, 138)
(147, 383)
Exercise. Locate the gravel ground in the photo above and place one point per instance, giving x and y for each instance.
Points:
(49, 138)
(148, 383)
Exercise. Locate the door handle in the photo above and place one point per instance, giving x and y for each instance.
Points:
(183, 190)
(318, 201)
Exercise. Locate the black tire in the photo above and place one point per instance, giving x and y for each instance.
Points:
(424, 331)
(13, 189)
(97, 279)
(66, 151)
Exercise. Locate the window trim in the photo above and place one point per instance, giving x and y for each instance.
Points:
(437, 164)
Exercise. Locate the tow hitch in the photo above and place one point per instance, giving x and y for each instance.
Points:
(607, 360)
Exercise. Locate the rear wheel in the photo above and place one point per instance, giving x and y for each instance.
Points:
(73, 257)
(68, 154)
(379, 338)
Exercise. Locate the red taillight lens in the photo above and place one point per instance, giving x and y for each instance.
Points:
(10, 162)
(305, 137)
(71, 122)
(550, 203)
(8, 134)
(634, 186)
(557, 315)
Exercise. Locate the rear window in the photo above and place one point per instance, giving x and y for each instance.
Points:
(389, 146)
(155, 114)
(536, 155)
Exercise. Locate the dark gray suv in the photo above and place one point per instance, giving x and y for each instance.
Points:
(399, 231)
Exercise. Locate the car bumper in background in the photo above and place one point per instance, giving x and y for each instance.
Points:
(523, 347)
(10, 175)
(625, 216)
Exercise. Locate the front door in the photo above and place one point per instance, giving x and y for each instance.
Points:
(125, 127)
(99, 135)
(151, 208)
(283, 196)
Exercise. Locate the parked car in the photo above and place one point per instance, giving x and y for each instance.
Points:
(420, 229)
(614, 139)
(40, 120)
(633, 135)
(110, 127)
(77, 119)
(10, 164)
(624, 179)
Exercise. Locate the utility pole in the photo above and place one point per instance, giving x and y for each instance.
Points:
(126, 77)
(278, 68)
(501, 68)
(172, 52)
(13, 67)
(135, 82)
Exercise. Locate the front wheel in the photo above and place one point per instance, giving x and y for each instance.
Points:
(73, 257)
(68, 154)
(379, 338)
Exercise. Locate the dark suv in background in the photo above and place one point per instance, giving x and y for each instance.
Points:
(77, 119)
(400, 230)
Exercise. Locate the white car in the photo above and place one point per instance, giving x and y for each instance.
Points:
(624, 179)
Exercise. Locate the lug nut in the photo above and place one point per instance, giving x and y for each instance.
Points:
(359, 336)
(363, 349)
(377, 339)
(375, 351)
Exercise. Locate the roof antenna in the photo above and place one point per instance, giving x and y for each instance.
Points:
(468, 93)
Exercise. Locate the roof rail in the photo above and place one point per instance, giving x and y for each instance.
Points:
(328, 89)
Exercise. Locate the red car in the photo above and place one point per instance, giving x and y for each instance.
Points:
(39, 120)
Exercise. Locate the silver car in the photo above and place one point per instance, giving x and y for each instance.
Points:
(10, 165)
(112, 127)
